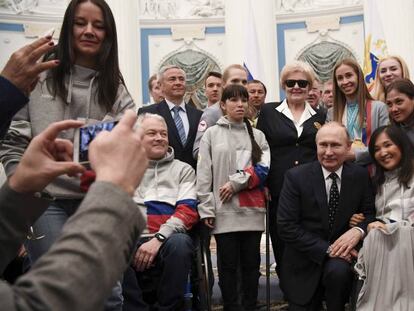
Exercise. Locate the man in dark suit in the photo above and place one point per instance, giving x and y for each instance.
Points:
(181, 118)
(315, 206)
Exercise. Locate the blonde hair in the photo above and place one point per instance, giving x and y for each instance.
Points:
(226, 72)
(297, 66)
(378, 91)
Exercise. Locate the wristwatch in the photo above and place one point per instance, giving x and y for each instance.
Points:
(160, 237)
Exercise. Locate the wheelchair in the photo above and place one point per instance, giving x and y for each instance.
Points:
(197, 294)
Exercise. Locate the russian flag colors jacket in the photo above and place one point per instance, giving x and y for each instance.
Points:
(167, 196)
(225, 155)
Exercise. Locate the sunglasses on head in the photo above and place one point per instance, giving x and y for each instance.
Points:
(301, 83)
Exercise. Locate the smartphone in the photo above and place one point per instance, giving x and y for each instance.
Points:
(84, 136)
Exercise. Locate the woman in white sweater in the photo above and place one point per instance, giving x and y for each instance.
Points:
(393, 157)
(232, 166)
(385, 262)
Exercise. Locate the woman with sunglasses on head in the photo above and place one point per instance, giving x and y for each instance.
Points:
(385, 262)
(290, 128)
(233, 162)
(354, 107)
(87, 84)
(400, 103)
(388, 70)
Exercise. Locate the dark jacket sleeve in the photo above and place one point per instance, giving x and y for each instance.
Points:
(11, 101)
(82, 266)
(290, 229)
(367, 206)
(17, 213)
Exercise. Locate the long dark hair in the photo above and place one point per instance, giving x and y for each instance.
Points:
(362, 93)
(400, 139)
(109, 77)
(239, 91)
(404, 86)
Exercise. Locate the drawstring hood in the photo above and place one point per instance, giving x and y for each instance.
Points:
(81, 78)
(70, 88)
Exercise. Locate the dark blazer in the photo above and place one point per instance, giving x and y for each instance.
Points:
(182, 153)
(286, 149)
(303, 223)
(11, 101)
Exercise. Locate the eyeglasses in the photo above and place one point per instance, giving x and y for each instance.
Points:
(301, 83)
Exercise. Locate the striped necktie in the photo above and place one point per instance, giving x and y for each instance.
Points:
(179, 124)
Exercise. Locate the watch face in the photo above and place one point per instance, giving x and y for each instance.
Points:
(160, 237)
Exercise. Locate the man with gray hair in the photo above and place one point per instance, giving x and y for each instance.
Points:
(167, 196)
(181, 118)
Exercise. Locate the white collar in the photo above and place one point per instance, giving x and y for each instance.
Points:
(326, 173)
(283, 106)
(307, 113)
(171, 105)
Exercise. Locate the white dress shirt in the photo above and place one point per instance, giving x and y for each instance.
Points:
(306, 114)
(183, 115)
(328, 185)
(328, 181)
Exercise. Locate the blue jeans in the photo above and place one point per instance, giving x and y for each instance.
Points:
(167, 278)
(48, 228)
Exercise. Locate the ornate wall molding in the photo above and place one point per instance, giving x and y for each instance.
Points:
(181, 9)
(300, 6)
(33, 7)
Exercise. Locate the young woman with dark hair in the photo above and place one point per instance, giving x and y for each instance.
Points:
(355, 108)
(393, 157)
(385, 261)
(400, 102)
(88, 85)
(232, 167)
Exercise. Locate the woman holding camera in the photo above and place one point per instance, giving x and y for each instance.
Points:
(87, 84)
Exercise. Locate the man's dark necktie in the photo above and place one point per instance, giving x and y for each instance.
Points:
(333, 200)
(179, 124)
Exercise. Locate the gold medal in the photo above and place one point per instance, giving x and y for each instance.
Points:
(357, 144)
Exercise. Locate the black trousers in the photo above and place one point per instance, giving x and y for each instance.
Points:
(234, 249)
(167, 278)
(334, 287)
(277, 244)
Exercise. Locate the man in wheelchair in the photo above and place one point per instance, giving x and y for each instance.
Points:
(167, 195)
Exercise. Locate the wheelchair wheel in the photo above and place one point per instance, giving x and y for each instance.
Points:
(204, 296)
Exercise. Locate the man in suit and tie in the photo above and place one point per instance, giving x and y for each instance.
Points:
(181, 118)
(315, 206)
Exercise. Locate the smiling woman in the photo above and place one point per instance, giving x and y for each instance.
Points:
(290, 128)
(88, 33)
(354, 107)
(390, 237)
(87, 84)
(400, 102)
(389, 69)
